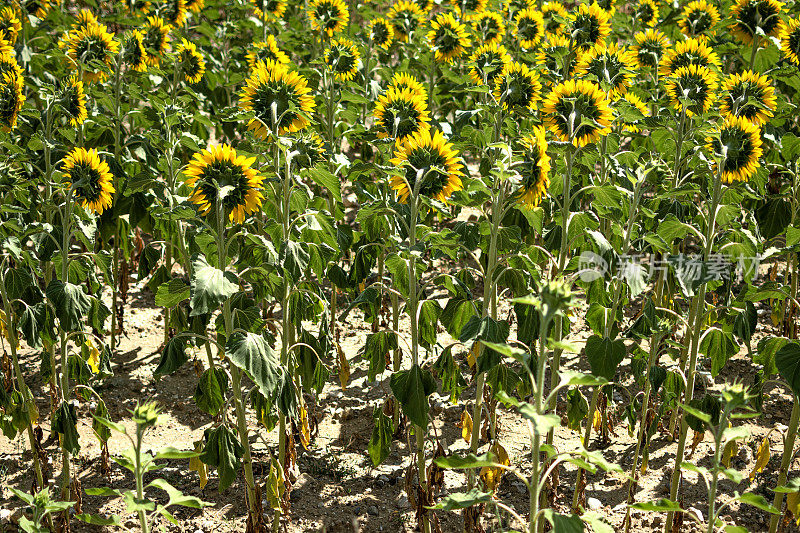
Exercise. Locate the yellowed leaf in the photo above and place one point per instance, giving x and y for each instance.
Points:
(490, 475)
(643, 468)
(597, 421)
(195, 464)
(93, 356)
(697, 438)
(472, 356)
(344, 367)
(731, 450)
(762, 459)
(275, 486)
(305, 429)
(793, 505)
(466, 426)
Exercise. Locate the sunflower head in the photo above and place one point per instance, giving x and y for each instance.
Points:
(512, 7)
(405, 17)
(278, 97)
(195, 6)
(577, 111)
(424, 5)
(5, 45)
(191, 62)
(36, 8)
(310, 150)
(429, 166)
(518, 88)
(736, 144)
(749, 95)
(84, 47)
(790, 41)
(272, 8)
(529, 28)
(609, 6)
(330, 16)
(73, 101)
(399, 114)
(381, 33)
(488, 62)
(590, 25)
(134, 52)
(646, 12)
(11, 100)
(266, 50)
(90, 179)
(692, 89)
(650, 47)
(10, 25)
(555, 18)
(699, 17)
(221, 179)
(534, 167)
(448, 38)
(172, 11)
(469, 7)
(553, 56)
(156, 40)
(402, 80)
(688, 52)
(8, 64)
(84, 19)
(342, 58)
(489, 25)
(612, 67)
(756, 17)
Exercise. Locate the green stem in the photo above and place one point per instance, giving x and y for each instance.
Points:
(586, 435)
(65, 386)
(139, 472)
(786, 460)
(536, 438)
(712, 490)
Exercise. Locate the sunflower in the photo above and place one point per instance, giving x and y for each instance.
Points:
(274, 8)
(609, 6)
(37, 8)
(430, 157)
(650, 47)
(473, 7)
(529, 28)
(400, 113)
(405, 17)
(611, 66)
(11, 100)
(553, 56)
(737, 146)
(749, 95)
(8, 64)
(689, 52)
(216, 168)
(555, 18)
(90, 178)
(272, 84)
(534, 167)
(448, 38)
(636, 102)
(402, 80)
(5, 45)
(577, 111)
(590, 25)
(73, 100)
(10, 25)
(342, 58)
(646, 12)
(518, 88)
(172, 11)
(262, 51)
(330, 16)
(195, 6)
(84, 19)
(134, 52)
(424, 5)
(489, 26)
(84, 47)
(156, 40)
(699, 18)
(193, 66)
(488, 62)
(695, 83)
(790, 41)
(381, 33)
(309, 149)
(512, 7)
(750, 16)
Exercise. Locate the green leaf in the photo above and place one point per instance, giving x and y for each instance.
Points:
(148, 260)
(251, 353)
(604, 355)
(325, 179)
(659, 506)
(176, 497)
(787, 360)
(70, 303)
(381, 440)
(97, 520)
(757, 501)
(173, 357)
(541, 423)
(462, 500)
(209, 394)
(412, 388)
(746, 321)
(172, 293)
(462, 462)
(210, 287)
(169, 452)
(294, 256)
(223, 451)
(719, 346)
(563, 523)
(65, 423)
(429, 312)
(376, 349)
(134, 504)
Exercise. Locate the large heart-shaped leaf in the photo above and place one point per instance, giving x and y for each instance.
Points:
(251, 353)
(210, 287)
(604, 355)
(70, 303)
(787, 360)
(223, 451)
(412, 388)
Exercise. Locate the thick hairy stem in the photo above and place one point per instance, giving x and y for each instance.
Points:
(586, 436)
(536, 438)
(786, 461)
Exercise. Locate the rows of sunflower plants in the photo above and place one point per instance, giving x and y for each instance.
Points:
(581, 216)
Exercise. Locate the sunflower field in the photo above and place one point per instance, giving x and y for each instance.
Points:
(430, 265)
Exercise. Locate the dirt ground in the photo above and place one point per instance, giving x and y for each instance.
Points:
(338, 489)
